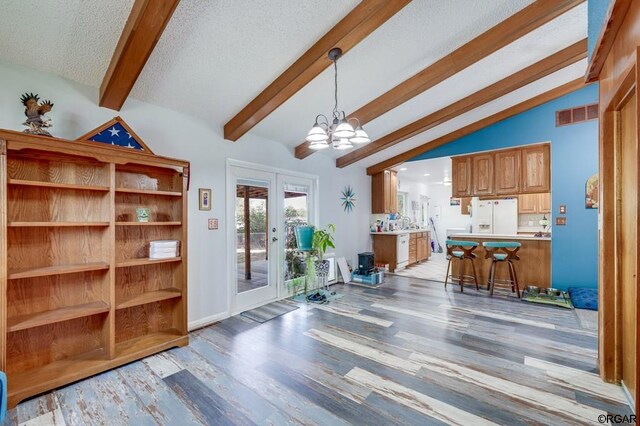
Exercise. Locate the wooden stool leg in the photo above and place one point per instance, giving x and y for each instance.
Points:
(475, 276)
(513, 282)
(461, 263)
(515, 278)
(446, 278)
(494, 264)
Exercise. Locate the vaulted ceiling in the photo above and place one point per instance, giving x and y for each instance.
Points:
(215, 57)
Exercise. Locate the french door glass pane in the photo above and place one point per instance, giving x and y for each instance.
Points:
(252, 233)
(296, 213)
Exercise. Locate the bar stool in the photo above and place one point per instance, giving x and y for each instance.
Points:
(461, 250)
(502, 251)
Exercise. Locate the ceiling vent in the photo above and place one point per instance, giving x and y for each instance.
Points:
(576, 115)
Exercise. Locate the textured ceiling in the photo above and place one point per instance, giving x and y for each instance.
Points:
(70, 38)
(437, 168)
(216, 56)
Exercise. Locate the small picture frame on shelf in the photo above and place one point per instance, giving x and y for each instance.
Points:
(204, 196)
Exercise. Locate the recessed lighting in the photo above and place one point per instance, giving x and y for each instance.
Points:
(426, 174)
(403, 169)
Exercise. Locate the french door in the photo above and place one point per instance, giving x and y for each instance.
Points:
(264, 207)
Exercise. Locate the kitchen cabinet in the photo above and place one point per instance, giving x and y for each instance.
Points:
(544, 202)
(507, 172)
(413, 248)
(423, 247)
(384, 192)
(465, 205)
(482, 176)
(534, 203)
(401, 249)
(461, 176)
(536, 170)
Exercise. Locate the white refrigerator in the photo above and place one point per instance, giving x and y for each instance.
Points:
(494, 216)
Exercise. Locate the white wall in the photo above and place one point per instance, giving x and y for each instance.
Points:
(173, 134)
(445, 215)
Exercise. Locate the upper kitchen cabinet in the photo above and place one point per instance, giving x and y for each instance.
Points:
(536, 170)
(461, 176)
(507, 172)
(544, 203)
(384, 192)
(534, 203)
(482, 174)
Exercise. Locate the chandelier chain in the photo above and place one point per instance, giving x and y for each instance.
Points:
(336, 114)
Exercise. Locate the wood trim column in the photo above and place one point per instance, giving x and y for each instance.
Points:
(3, 254)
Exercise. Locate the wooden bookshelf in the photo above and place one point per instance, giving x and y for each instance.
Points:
(70, 186)
(74, 263)
(165, 223)
(67, 313)
(150, 297)
(146, 261)
(149, 192)
(57, 270)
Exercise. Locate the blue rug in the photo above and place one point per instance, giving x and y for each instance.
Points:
(584, 298)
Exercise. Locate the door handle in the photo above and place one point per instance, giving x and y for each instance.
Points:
(274, 239)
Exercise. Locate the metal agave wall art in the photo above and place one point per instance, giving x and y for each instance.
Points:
(348, 198)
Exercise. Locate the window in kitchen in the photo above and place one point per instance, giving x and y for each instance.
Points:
(402, 203)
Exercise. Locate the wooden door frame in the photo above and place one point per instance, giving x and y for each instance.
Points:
(610, 302)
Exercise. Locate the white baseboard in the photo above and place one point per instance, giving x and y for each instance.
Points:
(203, 322)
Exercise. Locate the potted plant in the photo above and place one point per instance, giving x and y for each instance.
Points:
(304, 236)
(316, 265)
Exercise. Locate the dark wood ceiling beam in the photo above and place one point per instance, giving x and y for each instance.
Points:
(521, 23)
(352, 29)
(540, 69)
(502, 115)
(146, 22)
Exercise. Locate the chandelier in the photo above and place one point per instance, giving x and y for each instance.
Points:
(340, 133)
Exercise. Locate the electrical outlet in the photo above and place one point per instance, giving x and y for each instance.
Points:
(213, 224)
(563, 209)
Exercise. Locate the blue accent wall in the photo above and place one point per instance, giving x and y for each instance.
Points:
(596, 13)
(574, 157)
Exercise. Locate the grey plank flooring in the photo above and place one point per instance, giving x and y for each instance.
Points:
(407, 353)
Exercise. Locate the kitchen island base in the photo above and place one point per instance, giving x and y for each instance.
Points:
(533, 268)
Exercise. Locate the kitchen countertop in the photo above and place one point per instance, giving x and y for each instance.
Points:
(501, 237)
(400, 232)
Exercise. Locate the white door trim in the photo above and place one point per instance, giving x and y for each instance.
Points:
(230, 221)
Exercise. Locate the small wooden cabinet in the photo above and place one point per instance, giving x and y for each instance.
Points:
(384, 192)
(413, 248)
(534, 203)
(423, 246)
(507, 172)
(536, 170)
(465, 206)
(419, 247)
(482, 175)
(544, 202)
(461, 176)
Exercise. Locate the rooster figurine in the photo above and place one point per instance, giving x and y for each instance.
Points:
(36, 122)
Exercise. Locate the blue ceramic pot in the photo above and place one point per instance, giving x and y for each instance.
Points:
(304, 237)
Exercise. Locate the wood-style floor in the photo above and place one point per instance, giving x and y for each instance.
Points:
(407, 353)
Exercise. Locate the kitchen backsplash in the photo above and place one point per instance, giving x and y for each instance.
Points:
(530, 221)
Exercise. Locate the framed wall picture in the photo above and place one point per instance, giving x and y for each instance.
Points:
(204, 196)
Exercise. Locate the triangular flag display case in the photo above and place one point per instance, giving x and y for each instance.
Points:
(116, 133)
(78, 292)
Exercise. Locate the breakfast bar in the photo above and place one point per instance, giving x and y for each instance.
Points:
(533, 268)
